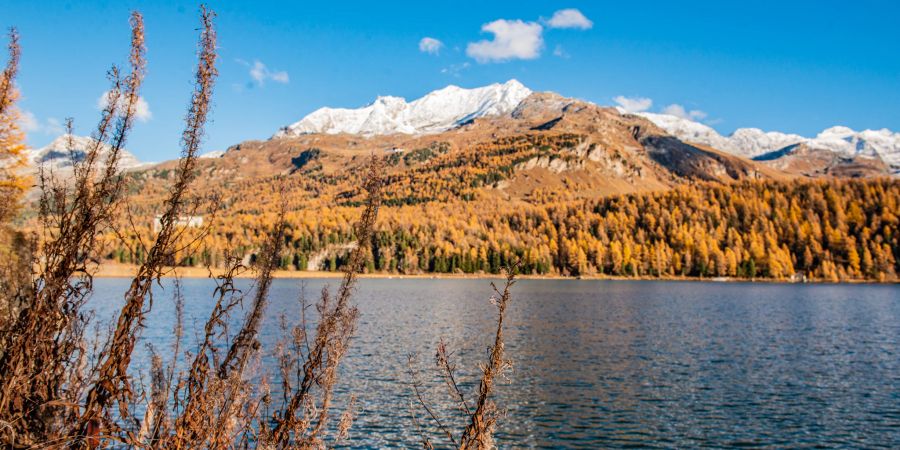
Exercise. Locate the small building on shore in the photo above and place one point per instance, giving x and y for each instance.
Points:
(182, 221)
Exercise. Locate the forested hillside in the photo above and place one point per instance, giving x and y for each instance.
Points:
(824, 229)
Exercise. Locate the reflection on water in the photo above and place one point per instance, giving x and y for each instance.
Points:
(615, 363)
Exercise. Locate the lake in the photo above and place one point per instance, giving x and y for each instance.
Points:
(610, 363)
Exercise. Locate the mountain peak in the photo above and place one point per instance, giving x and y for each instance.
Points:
(437, 111)
(60, 152)
(64, 141)
(836, 132)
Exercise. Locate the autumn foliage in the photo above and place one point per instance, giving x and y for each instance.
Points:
(12, 139)
(830, 229)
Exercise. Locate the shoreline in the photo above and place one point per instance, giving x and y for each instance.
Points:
(116, 270)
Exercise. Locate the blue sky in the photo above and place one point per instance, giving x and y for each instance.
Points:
(797, 67)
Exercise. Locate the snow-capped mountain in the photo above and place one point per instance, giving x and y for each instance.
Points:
(747, 142)
(753, 142)
(437, 111)
(452, 106)
(56, 155)
(882, 143)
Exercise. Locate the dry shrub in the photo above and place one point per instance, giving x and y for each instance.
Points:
(58, 390)
(61, 388)
(111, 382)
(55, 390)
(481, 416)
(43, 349)
(215, 403)
(301, 421)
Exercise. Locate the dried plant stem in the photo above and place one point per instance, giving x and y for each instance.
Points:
(480, 420)
(196, 418)
(244, 342)
(336, 326)
(478, 433)
(417, 389)
(8, 76)
(112, 379)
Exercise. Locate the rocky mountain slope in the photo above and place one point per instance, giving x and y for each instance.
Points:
(544, 148)
(837, 151)
(564, 185)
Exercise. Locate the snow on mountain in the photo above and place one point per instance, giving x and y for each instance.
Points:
(881, 143)
(752, 142)
(212, 154)
(56, 155)
(437, 111)
(688, 130)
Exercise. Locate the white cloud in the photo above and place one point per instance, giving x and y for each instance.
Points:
(513, 39)
(633, 104)
(455, 69)
(569, 18)
(679, 111)
(260, 73)
(280, 77)
(141, 109)
(29, 122)
(559, 51)
(31, 125)
(430, 45)
(54, 127)
(642, 104)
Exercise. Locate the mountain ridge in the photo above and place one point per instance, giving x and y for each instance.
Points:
(436, 111)
(751, 143)
(867, 152)
(452, 106)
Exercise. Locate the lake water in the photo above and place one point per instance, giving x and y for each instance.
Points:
(612, 364)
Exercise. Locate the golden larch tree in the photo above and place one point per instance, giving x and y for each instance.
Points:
(12, 140)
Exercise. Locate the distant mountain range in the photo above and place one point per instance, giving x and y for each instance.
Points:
(452, 106)
(837, 151)
(765, 146)
(62, 151)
